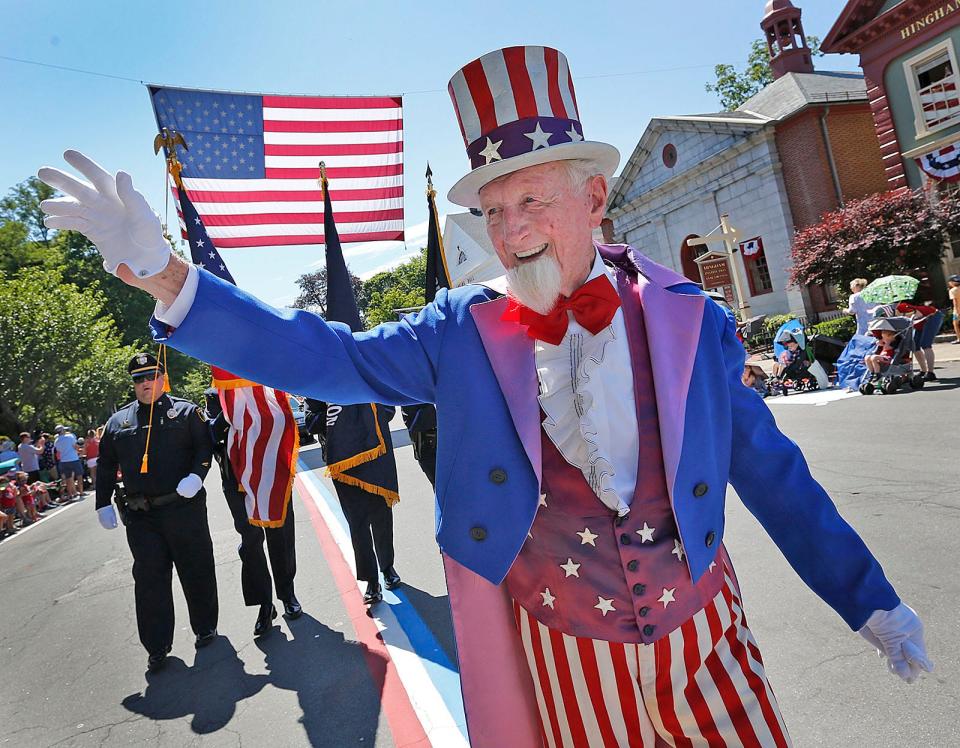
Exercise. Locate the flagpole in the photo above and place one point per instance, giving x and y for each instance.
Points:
(432, 201)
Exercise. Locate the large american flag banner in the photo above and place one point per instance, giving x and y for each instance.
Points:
(262, 441)
(251, 167)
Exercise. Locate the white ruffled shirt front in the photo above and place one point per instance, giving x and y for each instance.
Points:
(586, 393)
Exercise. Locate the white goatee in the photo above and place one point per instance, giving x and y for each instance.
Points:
(536, 284)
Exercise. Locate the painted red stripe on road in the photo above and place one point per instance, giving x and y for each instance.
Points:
(333, 149)
(333, 102)
(271, 241)
(258, 219)
(280, 196)
(372, 125)
(403, 721)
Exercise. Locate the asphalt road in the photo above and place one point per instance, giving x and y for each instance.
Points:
(72, 669)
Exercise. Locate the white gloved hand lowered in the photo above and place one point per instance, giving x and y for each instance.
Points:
(107, 516)
(110, 213)
(898, 635)
(189, 486)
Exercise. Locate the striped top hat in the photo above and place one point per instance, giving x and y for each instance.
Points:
(517, 108)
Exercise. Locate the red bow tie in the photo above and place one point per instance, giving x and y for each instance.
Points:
(593, 305)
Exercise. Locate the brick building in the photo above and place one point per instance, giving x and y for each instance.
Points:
(800, 147)
(908, 52)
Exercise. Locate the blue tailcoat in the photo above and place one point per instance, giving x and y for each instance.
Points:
(479, 371)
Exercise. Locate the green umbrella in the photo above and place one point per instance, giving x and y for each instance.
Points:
(890, 289)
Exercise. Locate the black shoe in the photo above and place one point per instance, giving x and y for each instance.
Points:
(930, 376)
(391, 580)
(157, 660)
(373, 594)
(264, 620)
(205, 639)
(292, 609)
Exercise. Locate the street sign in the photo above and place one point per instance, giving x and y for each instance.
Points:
(715, 273)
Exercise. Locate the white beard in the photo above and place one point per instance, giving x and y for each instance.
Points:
(536, 284)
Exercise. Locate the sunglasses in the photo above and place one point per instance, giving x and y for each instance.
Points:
(146, 377)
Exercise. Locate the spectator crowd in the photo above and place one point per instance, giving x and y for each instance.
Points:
(42, 473)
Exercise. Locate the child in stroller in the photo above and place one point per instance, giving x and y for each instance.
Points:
(890, 366)
(792, 369)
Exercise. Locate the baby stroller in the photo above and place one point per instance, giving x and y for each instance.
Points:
(900, 371)
(804, 373)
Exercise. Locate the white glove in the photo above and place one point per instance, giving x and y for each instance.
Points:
(110, 213)
(107, 516)
(189, 486)
(898, 635)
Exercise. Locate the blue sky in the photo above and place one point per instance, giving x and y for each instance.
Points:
(630, 61)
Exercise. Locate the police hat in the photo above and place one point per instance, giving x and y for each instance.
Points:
(144, 366)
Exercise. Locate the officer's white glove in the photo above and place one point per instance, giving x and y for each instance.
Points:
(898, 635)
(189, 486)
(107, 516)
(110, 213)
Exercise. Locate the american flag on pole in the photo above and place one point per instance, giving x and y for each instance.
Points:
(251, 164)
(263, 442)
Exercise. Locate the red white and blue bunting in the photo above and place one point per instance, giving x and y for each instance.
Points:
(942, 164)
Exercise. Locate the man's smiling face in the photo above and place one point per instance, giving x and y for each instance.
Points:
(536, 214)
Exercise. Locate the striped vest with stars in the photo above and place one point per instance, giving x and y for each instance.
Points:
(584, 571)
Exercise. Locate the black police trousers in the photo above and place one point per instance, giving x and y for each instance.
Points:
(254, 574)
(159, 539)
(371, 529)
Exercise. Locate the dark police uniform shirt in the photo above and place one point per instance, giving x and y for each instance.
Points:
(180, 445)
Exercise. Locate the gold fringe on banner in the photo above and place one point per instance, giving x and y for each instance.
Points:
(337, 470)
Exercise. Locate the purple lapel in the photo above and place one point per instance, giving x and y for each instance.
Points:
(673, 323)
(510, 351)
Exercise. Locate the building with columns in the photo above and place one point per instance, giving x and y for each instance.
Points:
(798, 148)
(908, 52)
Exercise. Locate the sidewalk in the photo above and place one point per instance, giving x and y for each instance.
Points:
(942, 352)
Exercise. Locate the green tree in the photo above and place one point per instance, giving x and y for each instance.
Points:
(22, 204)
(60, 356)
(399, 288)
(313, 291)
(194, 383)
(734, 87)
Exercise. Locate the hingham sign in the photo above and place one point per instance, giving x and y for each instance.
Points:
(929, 19)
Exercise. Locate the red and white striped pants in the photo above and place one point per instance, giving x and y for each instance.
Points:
(702, 685)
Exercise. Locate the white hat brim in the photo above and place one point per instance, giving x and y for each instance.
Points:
(466, 192)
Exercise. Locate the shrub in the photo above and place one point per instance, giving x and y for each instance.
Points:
(842, 328)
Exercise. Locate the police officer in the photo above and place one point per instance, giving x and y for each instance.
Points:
(254, 575)
(421, 423)
(162, 448)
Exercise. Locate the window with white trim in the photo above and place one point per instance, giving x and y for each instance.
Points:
(934, 84)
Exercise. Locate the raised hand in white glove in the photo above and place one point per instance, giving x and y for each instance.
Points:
(107, 516)
(189, 486)
(898, 635)
(110, 213)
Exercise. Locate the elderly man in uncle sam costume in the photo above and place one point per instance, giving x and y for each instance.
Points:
(589, 423)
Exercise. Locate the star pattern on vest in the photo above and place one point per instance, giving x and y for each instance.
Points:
(570, 568)
(646, 533)
(604, 605)
(492, 151)
(540, 138)
(677, 550)
(587, 537)
(667, 597)
(548, 597)
(543, 500)
(712, 566)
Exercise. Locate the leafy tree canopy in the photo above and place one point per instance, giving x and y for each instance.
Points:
(733, 87)
(400, 288)
(889, 233)
(313, 291)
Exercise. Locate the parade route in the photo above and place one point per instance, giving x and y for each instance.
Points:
(72, 669)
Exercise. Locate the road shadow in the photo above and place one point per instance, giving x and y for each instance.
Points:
(338, 682)
(434, 611)
(210, 690)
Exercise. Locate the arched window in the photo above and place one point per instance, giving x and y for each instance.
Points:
(688, 254)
